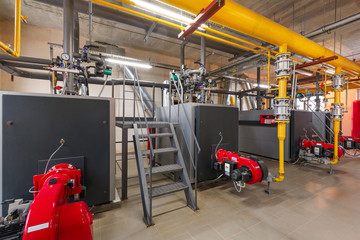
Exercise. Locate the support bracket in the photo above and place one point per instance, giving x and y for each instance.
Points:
(203, 16)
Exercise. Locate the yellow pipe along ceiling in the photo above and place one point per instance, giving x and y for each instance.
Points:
(239, 18)
(17, 33)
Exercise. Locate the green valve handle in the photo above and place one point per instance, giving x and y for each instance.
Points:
(108, 71)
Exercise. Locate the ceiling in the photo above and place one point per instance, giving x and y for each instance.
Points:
(303, 16)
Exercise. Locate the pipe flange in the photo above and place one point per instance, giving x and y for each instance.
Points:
(282, 65)
(282, 109)
(338, 82)
(337, 112)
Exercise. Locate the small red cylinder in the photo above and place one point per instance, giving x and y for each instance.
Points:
(356, 120)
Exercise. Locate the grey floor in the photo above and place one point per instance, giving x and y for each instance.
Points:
(309, 204)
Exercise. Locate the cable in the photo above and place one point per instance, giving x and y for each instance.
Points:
(240, 186)
(221, 138)
(62, 142)
(217, 178)
(31, 190)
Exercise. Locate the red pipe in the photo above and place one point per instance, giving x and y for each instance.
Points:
(316, 62)
(204, 15)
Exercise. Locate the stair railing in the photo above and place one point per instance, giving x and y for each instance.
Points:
(136, 79)
(178, 85)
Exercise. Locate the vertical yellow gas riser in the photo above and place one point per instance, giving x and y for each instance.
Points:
(336, 122)
(282, 124)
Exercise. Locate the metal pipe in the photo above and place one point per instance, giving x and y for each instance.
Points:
(68, 40)
(333, 26)
(25, 59)
(258, 97)
(239, 18)
(203, 51)
(317, 100)
(182, 56)
(76, 32)
(23, 65)
(90, 21)
(17, 32)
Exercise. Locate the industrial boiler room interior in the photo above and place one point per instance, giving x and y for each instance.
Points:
(178, 119)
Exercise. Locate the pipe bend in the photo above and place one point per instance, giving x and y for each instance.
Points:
(334, 161)
(280, 178)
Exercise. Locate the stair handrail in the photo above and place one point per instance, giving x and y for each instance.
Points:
(326, 126)
(194, 163)
(136, 78)
(186, 116)
(325, 114)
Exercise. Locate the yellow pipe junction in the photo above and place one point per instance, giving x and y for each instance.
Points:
(17, 32)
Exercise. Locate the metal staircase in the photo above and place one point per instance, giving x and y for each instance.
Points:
(148, 192)
(145, 160)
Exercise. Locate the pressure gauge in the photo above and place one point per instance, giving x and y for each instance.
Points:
(65, 57)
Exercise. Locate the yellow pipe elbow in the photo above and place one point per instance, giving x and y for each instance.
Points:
(17, 33)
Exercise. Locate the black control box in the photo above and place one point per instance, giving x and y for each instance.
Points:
(317, 150)
(349, 144)
(229, 166)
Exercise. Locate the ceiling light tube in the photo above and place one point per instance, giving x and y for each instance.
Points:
(304, 72)
(261, 85)
(163, 12)
(128, 63)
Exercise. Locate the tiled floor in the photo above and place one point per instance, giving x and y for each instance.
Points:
(309, 204)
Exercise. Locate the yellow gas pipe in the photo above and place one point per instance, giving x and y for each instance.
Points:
(282, 124)
(336, 122)
(17, 32)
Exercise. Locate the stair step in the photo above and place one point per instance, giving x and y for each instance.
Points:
(168, 188)
(153, 124)
(156, 135)
(164, 169)
(161, 150)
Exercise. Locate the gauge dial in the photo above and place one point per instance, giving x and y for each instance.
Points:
(65, 57)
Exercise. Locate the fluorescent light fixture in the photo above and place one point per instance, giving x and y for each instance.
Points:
(128, 63)
(163, 12)
(261, 85)
(330, 71)
(304, 72)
